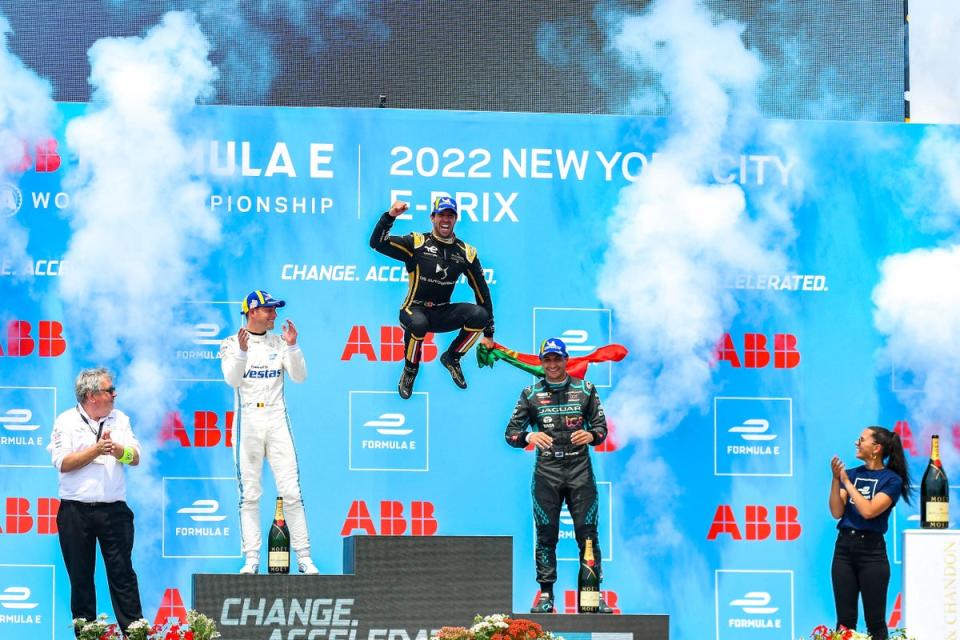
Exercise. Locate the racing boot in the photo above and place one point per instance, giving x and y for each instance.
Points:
(453, 366)
(544, 604)
(405, 386)
(604, 607)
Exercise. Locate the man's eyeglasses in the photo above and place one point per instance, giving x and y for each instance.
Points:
(110, 390)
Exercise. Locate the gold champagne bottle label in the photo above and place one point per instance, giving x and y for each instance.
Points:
(589, 599)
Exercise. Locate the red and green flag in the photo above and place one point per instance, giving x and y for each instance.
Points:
(576, 367)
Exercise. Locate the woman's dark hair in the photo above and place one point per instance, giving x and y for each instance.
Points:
(891, 449)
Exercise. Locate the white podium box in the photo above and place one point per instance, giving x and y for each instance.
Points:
(931, 583)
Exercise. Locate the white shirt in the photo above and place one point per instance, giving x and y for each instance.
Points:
(257, 373)
(103, 479)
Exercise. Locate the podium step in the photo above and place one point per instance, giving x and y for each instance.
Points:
(393, 588)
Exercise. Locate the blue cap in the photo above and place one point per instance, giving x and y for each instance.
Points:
(260, 298)
(443, 204)
(553, 345)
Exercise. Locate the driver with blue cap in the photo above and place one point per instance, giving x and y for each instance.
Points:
(255, 362)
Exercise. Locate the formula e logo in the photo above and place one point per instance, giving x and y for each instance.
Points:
(387, 433)
(753, 436)
(583, 331)
(18, 420)
(390, 424)
(11, 199)
(754, 430)
(16, 598)
(577, 341)
(193, 524)
(22, 411)
(26, 598)
(203, 511)
(754, 604)
(206, 326)
(207, 333)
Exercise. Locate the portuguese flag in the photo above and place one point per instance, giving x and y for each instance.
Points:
(576, 367)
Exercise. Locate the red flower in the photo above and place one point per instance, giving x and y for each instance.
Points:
(188, 635)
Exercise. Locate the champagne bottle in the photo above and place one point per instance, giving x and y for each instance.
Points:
(278, 543)
(934, 492)
(588, 583)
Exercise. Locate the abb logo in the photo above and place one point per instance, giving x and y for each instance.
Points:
(21, 341)
(756, 524)
(171, 606)
(902, 429)
(391, 345)
(392, 521)
(47, 158)
(206, 429)
(896, 616)
(570, 600)
(756, 354)
(19, 518)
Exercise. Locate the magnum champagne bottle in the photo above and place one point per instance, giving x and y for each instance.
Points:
(588, 583)
(934, 492)
(278, 543)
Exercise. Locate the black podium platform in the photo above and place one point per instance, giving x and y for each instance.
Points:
(394, 588)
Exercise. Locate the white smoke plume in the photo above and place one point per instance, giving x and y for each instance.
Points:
(675, 237)
(917, 300)
(27, 116)
(918, 310)
(933, 55)
(140, 227)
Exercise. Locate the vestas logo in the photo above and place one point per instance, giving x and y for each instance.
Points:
(754, 430)
(18, 420)
(16, 598)
(11, 199)
(203, 511)
(755, 602)
(263, 373)
(390, 424)
(577, 341)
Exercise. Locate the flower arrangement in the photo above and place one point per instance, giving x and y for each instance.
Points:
(497, 627)
(823, 632)
(197, 627)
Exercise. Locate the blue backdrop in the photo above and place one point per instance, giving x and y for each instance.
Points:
(718, 517)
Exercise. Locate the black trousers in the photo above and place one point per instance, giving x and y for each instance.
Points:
(81, 525)
(417, 321)
(556, 481)
(860, 567)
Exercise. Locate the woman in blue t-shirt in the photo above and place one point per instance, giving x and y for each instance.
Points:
(862, 499)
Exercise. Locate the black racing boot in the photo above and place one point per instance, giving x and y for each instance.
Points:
(453, 366)
(604, 607)
(405, 386)
(544, 604)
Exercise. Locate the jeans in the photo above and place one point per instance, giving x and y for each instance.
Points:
(860, 566)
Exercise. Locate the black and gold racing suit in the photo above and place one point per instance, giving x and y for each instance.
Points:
(563, 472)
(434, 267)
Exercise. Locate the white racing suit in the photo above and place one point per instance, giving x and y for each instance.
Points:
(261, 428)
